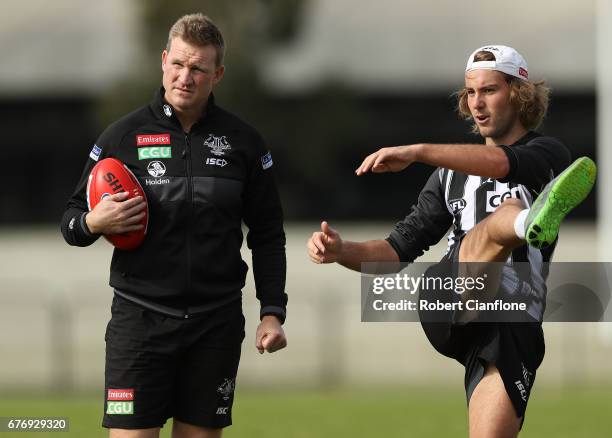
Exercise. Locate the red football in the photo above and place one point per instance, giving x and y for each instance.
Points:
(111, 176)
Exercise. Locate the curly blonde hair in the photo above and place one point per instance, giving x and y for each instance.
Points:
(529, 98)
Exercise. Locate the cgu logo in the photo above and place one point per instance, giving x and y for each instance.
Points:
(120, 408)
(457, 205)
(495, 199)
(154, 152)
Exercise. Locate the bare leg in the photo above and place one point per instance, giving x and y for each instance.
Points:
(493, 239)
(134, 433)
(185, 430)
(491, 414)
(484, 250)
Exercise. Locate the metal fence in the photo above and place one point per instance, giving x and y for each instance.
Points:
(55, 304)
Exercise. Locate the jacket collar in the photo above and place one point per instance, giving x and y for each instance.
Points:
(163, 110)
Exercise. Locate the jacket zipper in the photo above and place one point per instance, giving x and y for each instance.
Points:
(190, 212)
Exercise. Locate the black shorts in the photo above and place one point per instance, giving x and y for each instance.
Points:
(158, 366)
(515, 348)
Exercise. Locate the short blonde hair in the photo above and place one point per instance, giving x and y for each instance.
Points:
(198, 29)
(529, 98)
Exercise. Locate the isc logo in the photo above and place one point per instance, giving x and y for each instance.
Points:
(216, 162)
(222, 410)
(522, 390)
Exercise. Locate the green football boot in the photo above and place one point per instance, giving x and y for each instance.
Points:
(557, 199)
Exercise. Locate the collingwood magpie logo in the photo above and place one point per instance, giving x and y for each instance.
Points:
(226, 389)
(218, 145)
(527, 376)
(168, 110)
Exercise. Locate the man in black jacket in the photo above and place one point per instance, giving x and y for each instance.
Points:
(486, 194)
(173, 342)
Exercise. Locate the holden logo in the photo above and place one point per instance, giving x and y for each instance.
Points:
(168, 110)
(156, 169)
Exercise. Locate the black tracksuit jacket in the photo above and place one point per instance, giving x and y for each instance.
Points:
(199, 188)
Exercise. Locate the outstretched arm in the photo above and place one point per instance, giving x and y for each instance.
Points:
(472, 159)
(423, 227)
(326, 246)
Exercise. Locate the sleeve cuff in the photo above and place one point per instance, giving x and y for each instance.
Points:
(391, 240)
(277, 311)
(512, 161)
(84, 226)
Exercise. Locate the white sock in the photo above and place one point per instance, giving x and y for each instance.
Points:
(519, 223)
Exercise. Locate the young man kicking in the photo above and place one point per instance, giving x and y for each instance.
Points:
(505, 201)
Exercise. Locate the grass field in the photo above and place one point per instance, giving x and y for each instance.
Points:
(405, 413)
